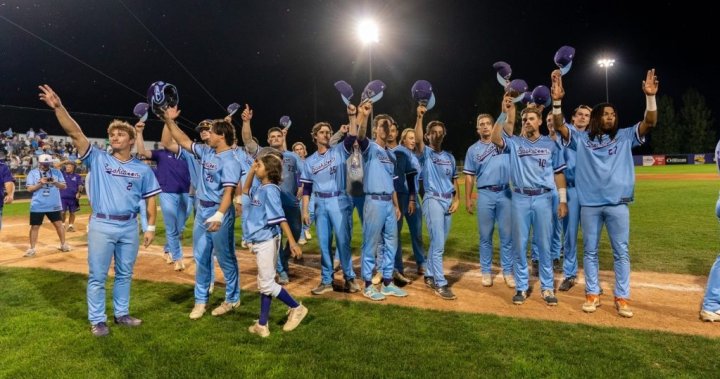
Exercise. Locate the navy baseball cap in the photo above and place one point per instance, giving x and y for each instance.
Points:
(373, 91)
(541, 96)
(204, 124)
(563, 58)
(422, 92)
(285, 121)
(503, 71)
(162, 95)
(141, 111)
(232, 108)
(345, 89)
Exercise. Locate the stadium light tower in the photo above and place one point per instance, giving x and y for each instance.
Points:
(367, 31)
(606, 63)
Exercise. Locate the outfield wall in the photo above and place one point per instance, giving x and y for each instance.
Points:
(673, 159)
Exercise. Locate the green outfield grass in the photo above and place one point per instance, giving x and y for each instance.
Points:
(44, 332)
(672, 224)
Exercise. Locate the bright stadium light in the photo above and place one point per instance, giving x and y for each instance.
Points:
(367, 31)
(606, 63)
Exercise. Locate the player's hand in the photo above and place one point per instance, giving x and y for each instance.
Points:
(8, 199)
(247, 113)
(148, 238)
(344, 128)
(454, 205)
(507, 105)
(650, 84)
(213, 226)
(295, 251)
(421, 109)
(351, 110)
(469, 206)
(49, 97)
(411, 207)
(306, 218)
(562, 210)
(238, 210)
(171, 113)
(365, 109)
(398, 214)
(228, 119)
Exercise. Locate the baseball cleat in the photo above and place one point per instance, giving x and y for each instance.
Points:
(591, 303)
(519, 297)
(549, 297)
(127, 320)
(225, 307)
(445, 292)
(197, 311)
(100, 329)
(322, 288)
(295, 316)
(392, 290)
(509, 280)
(261, 330)
(709, 316)
(567, 283)
(29, 253)
(351, 286)
(623, 307)
(372, 293)
(487, 280)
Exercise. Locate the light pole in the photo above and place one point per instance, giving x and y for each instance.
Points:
(367, 31)
(606, 63)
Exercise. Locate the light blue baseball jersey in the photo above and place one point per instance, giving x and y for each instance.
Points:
(489, 164)
(264, 214)
(438, 171)
(326, 172)
(570, 156)
(605, 171)
(379, 167)
(47, 198)
(291, 173)
(117, 186)
(405, 164)
(717, 155)
(246, 160)
(534, 163)
(217, 171)
(193, 164)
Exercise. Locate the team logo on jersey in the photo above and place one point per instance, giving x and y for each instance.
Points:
(592, 145)
(489, 152)
(256, 202)
(210, 165)
(529, 151)
(120, 171)
(442, 162)
(384, 158)
(323, 165)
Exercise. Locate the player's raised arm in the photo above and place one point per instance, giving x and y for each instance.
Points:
(506, 120)
(178, 135)
(140, 141)
(364, 111)
(246, 132)
(419, 132)
(650, 87)
(69, 125)
(557, 92)
(167, 141)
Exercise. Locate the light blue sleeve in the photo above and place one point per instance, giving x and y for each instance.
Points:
(454, 166)
(150, 185)
(469, 167)
(58, 176)
(273, 205)
(558, 159)
(32, 178)
(231, 173)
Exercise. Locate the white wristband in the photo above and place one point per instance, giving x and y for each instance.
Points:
(238, 199)
(556, 110)
(650, 103)
(217, 217)
(562, 195)
(151, 228)
(557, 103)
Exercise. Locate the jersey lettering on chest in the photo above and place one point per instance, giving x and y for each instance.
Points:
(120, 171)
(328, 162)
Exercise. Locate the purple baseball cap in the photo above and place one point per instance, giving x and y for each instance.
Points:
(141, 111)
(503, 72)
(232, 108)
(161, 95)
(516, 88)
(563, 58)
(527, 97)
(422, 92)
(541, 96)
(285, 121)
(346, 91)
(373, 91)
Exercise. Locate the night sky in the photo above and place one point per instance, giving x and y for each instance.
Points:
(282, 57)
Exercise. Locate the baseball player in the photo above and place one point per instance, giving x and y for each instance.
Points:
(442, 198)
(571, 223)
(265, 214)
(381, 205)
(710, 310)
(605, 182)
(215, 218)
(407, 167)
(70, 196)
(7, 189)
(289, 185)
(324, 178)
(536, 166)
(174, 178)
(118, 182)
(414, 219)
(488, 168)
(300, 149)
(45, 183)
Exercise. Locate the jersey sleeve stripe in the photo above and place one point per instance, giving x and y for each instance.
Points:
(151, 193)
(468, 172)
(276, 221)
(229, 184)
(87, 153)
(560, 169)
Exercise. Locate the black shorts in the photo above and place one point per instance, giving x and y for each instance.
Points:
(36, 218)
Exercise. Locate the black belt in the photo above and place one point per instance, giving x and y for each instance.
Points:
(115, 217)
(495, 188)
(326, 195)
(207, 204)
(380, 196)
(531, 191)
(444, 195)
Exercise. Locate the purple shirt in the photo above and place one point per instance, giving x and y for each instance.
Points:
(5, 176)
(172, 171)
(73, 181)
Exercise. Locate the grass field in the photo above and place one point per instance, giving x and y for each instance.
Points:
(43, 331)
(673, 227)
